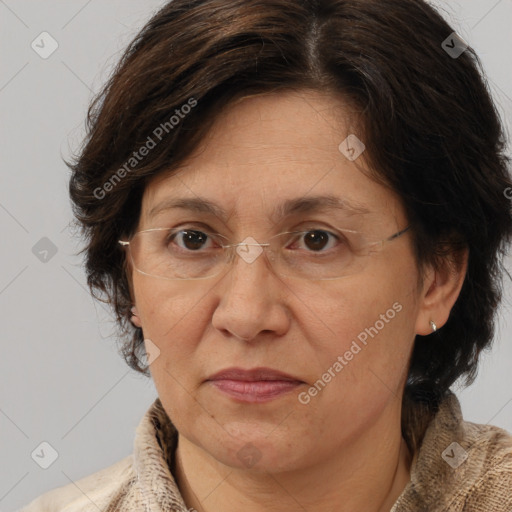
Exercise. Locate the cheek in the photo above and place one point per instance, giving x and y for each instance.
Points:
(175, 322)
(173, 317)
(369, 333)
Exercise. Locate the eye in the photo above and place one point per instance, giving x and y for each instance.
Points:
(316, 240)
(189, 239)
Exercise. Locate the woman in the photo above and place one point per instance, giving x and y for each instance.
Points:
(297, 211)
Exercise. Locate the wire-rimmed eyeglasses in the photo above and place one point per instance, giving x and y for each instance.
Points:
(154, 252)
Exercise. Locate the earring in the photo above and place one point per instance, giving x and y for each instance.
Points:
(433, 326)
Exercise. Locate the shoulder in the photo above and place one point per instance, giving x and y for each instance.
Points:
(480, 449)
(88, 493)
(460, 466)
(491, 443)
(487, 468)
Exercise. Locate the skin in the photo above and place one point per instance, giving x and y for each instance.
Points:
(343, 451)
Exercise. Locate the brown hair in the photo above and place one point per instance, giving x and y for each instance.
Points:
(430, 127)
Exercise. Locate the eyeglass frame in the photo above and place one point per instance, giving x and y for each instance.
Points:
(126, 243)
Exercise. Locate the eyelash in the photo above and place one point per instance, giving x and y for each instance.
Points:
(209, 233)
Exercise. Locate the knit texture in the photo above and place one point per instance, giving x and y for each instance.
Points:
(473, 475)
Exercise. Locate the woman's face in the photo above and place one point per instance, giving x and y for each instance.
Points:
(348, 341)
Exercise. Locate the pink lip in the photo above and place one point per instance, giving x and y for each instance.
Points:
(255, 374)
(254, 386)
(255, 391)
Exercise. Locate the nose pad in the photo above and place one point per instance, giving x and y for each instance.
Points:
(250, 250)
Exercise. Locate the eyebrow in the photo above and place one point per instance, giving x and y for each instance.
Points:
(311, 204)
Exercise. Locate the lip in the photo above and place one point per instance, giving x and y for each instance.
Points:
(256, 385)
(253, 375)
(255, 391)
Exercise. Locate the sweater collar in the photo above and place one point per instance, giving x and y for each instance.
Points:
(431, 473)
(438, 471)
(155, 443)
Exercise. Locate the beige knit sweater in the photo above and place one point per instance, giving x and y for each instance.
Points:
(474, 475)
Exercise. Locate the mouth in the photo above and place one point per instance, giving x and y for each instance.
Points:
(253, 375)
(254, 386)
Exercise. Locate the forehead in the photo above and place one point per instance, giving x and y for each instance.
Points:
(266, 152)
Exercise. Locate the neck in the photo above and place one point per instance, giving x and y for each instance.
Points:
(369, 474)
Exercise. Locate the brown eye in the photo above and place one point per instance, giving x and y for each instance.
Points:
(316, 240)
(192, 240)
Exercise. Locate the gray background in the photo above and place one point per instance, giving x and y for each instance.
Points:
(62, 379)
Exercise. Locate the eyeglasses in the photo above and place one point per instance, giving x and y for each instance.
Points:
(296, 254)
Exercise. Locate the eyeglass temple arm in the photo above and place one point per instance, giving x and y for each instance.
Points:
(400, 233)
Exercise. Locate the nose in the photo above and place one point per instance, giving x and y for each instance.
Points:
(251, 297)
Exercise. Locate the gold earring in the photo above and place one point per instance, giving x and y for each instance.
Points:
(433, 326)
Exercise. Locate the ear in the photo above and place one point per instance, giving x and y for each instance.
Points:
(128, 269)
(135, 320)
(441, 288)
